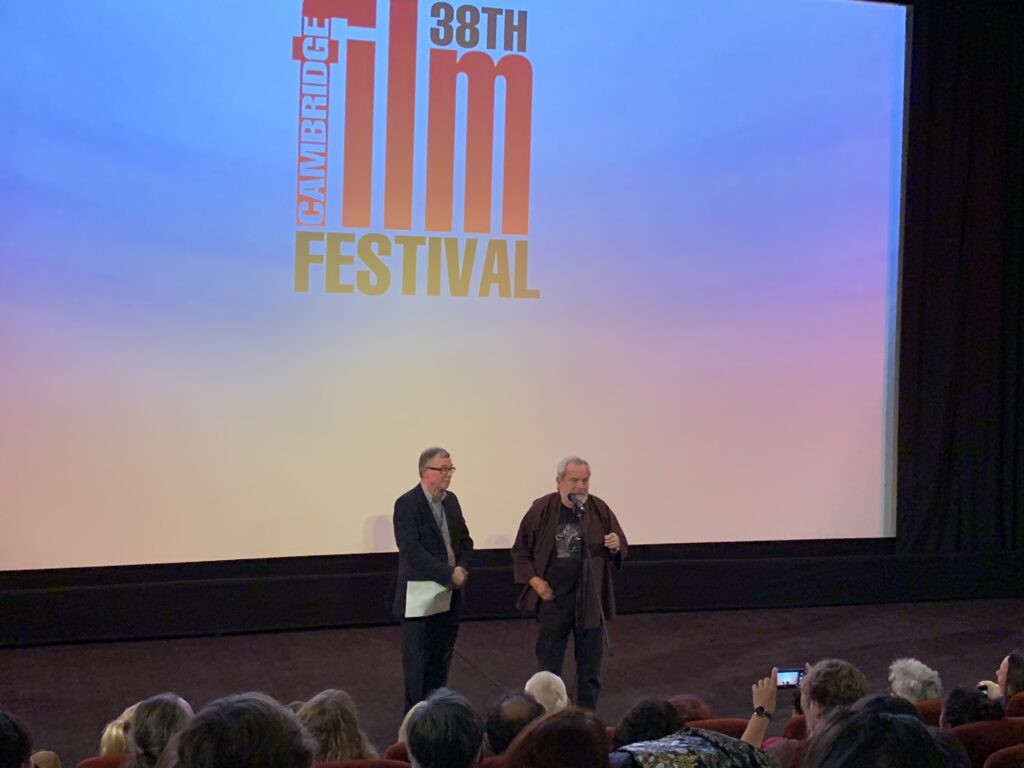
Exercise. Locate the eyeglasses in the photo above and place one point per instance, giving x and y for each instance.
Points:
(443, 470)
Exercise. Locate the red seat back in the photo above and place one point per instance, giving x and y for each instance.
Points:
(105, 761)
(930, 710)
(1015, 706)
(494, 761)
(795, 728)
(397, 751)
(1008, 757)
(983, 738)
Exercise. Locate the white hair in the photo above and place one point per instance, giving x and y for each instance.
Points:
(564, 464)
(549, 690)
(914, 680)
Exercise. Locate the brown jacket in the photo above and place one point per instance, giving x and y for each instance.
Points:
(534, 549)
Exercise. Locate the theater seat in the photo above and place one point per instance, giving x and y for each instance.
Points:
(105, 761)
(730, 726)
(1015, 706)
(795, 728)
(378, 763)
(1008, 757)
(610, 730)
(930, 711)
(494, 761)
(397, 751)
(982, 739)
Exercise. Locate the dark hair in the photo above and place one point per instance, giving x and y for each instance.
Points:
(332, 721)
(647, 720)
(569, 738)
(507, 716)
(883, 703)
(15, 741)
(966, 705)
(248, 730)
(834, 683)
(153, 723)
(865, 739)
(446, 731)
(1014, 675)
(690, 707)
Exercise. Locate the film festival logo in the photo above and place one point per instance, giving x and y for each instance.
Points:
(489, 257)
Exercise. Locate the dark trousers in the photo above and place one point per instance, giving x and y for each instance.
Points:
(556, 620)
(427, 646)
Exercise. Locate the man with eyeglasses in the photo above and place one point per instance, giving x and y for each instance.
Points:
(433, 545)
(567, 545)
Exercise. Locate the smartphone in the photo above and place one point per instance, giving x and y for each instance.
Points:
(790, 678)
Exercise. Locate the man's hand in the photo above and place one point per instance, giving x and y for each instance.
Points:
(611, 542)
(459, 577)
(542, 588)
(765, 691)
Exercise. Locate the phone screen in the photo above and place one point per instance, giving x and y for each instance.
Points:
(790, 678)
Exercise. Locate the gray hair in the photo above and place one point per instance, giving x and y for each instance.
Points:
(445, 733)
(563, 465)
(430, 454)
(914, 680)
(153, 723)
(549, 689)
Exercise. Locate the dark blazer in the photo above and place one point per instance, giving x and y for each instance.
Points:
(421, 552)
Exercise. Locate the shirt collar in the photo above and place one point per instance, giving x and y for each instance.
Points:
(433, 500)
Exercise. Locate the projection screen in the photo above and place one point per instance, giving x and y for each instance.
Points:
(257, 256)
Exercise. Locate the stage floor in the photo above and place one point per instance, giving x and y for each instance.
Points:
(67, 693)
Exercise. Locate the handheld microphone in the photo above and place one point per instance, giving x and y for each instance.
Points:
(575, 501)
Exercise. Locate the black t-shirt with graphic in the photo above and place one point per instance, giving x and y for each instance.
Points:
(568, 561)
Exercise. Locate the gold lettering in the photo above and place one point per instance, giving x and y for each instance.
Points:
(335, 260)
(496, 270)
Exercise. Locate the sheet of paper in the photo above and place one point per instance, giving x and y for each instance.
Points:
(425, 598)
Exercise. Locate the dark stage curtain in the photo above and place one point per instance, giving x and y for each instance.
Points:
(960, 455)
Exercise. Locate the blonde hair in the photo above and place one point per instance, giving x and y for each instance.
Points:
(332, 721)
(114, 741)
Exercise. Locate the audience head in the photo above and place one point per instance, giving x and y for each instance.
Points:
(690, 707)
(445, 733)
(647, 720)
(890, 705)
(152, 725)
(914, 680)
(403, 729)
(114, 740)
(507, 717)
(15, 742)
(966, 705)
(1010, 674)
(569, 738)
(866, 739)
(248, 730)
(829, 684)
(549, 690)
(331, 719)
